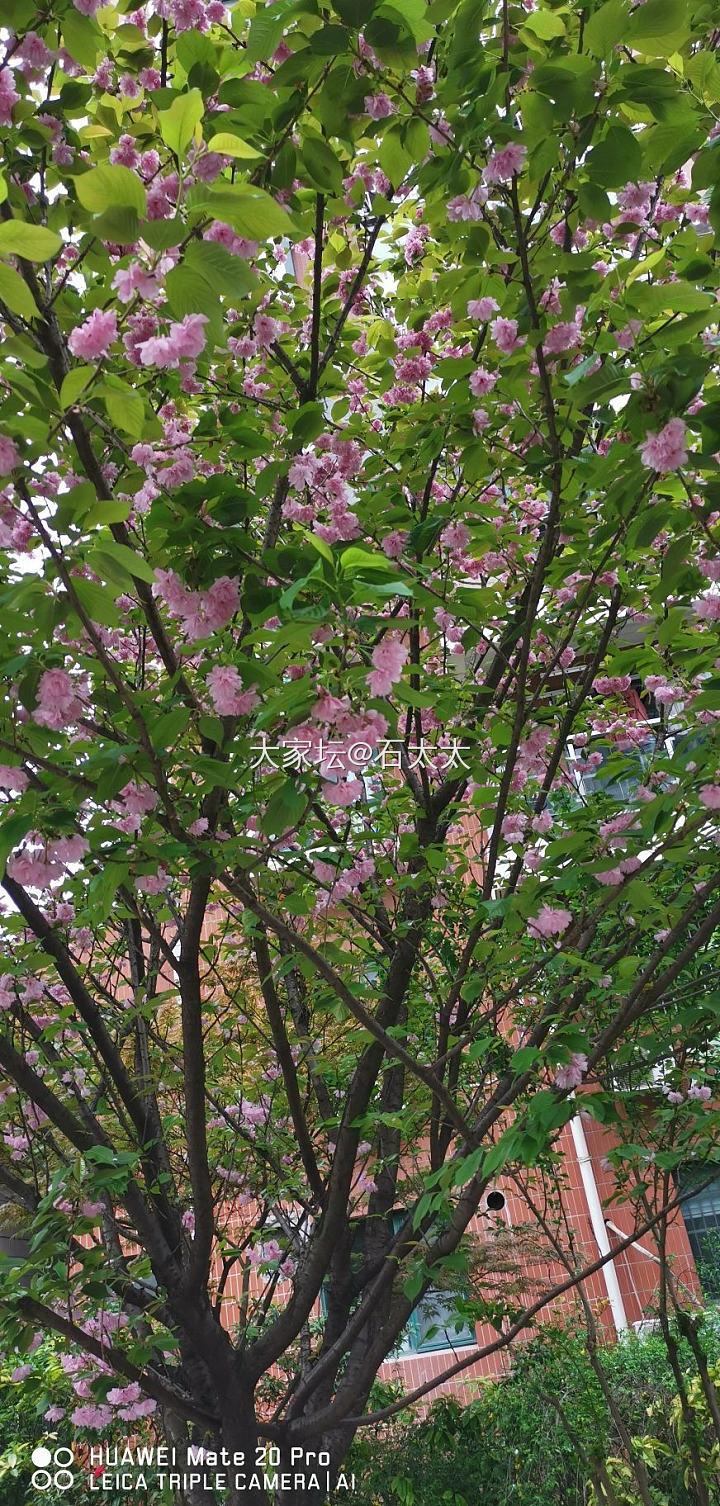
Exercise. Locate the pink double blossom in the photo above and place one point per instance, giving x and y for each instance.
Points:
(482, 381)
(549, 921)
(378, 106)
(9, 454)
(482, 308)
(505, 163)
(58, 703)
(227, 694)
(667, 450)
(388, 658)
(505, 335)
(92, 339)
(184, 342)
(571, 1075)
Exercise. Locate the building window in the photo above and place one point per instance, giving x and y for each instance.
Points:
(436, 1323)
(701, 1213)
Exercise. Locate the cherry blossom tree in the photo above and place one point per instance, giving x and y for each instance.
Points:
(358, 436)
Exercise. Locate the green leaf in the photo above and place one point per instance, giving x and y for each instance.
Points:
(119, 564)
(166, 731)
(74, 383)
(16, 294)
(12, 832)
(706, 167)
(189, 292)
(96, 601)
(284, 809)
(656, 19)
(616, 160)
(266, 32)
(354, 560)
(605, 27)
(308, 422)
(193, 47)
(395, 160)
(119, 225)
(233, 146)
(594, 202)
(32, 242)
(83, 38)
(110, 187)
(354, 13)
(322, 165)
(126, 410)
(544, 24)
(178, 124)
(250, 211)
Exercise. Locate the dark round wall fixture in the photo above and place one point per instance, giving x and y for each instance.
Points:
(496, 1201)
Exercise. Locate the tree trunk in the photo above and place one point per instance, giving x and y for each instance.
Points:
(245, 1472)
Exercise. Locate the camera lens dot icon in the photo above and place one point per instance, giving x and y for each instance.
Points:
(41, 1457)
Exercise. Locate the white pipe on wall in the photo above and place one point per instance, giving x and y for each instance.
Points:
(597, 1220)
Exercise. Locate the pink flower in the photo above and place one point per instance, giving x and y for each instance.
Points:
(482, 308)
(8, 96)
(134, 279)
(562, 337)
(87, 7)
(92, 340)
(710, 796)
(378, 106)
(571, 1076)
(189, 336)
(504, 333)
(468, 206)
(92, 1416)
(13, 779)
(550, 921)
(707, 608)
(92, 1210)
(667, 450)
(505, 163)
(57, 702)
(184, 341)
(455, 536)
(702, 1094)
(482, 382)
(388, 658)
(265, 330)
(21, 1373)
(9, 455)
(228, 696)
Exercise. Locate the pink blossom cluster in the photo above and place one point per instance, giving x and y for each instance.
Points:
(549, 921)
(666, 450)
(355, 737)
(184, 341)
(200, 612)
(9, 456)
(227, 694)
(505, 163)
(570, 1075)
(323, 474)
(388, 658)
(58, 702)
(91, 340)
(40, 862)
(339, 883)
